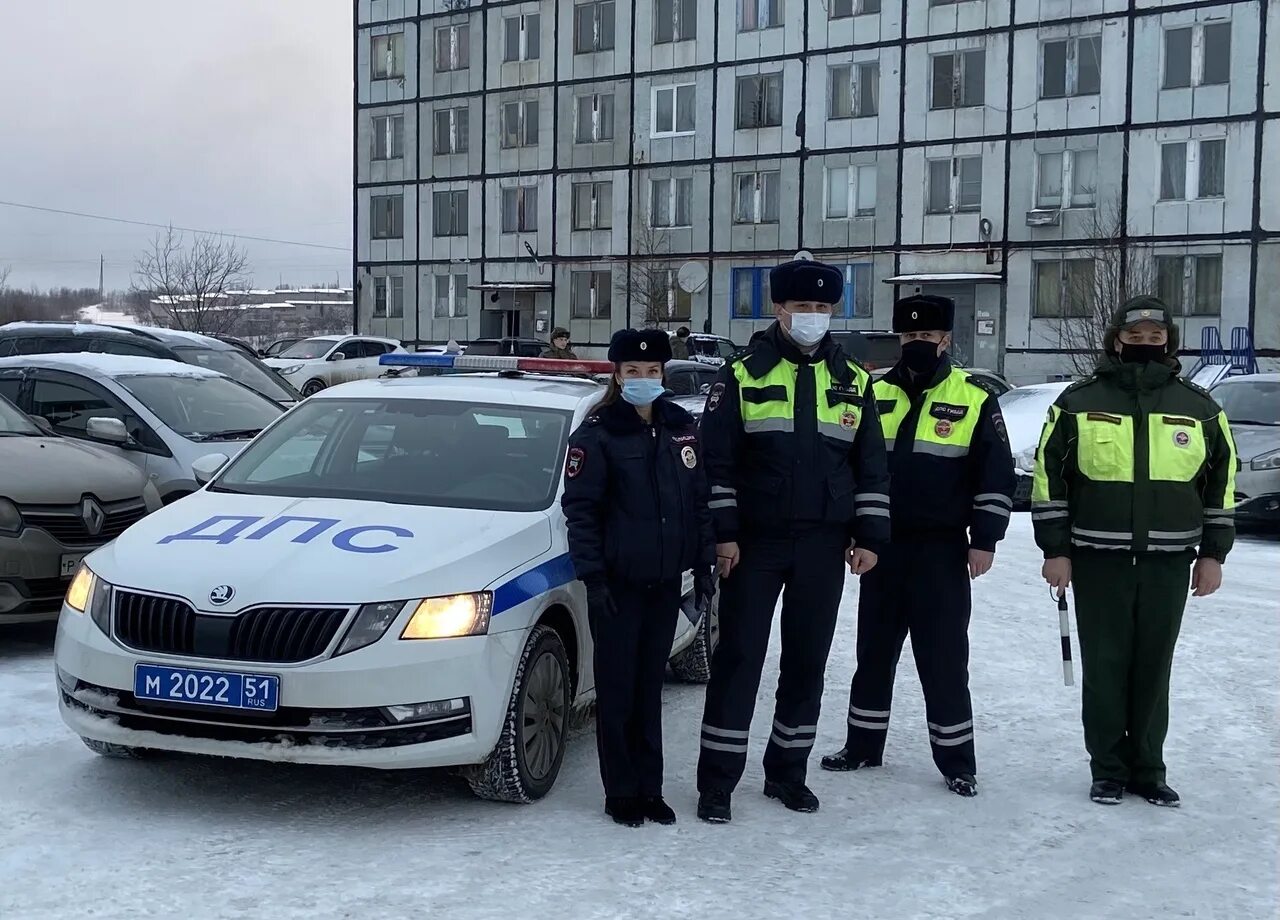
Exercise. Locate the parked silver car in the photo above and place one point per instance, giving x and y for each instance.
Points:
(159, 415)
(59, 500)
(1252, 404)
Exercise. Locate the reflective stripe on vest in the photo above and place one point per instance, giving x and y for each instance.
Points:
(768, 403)
(948, 415)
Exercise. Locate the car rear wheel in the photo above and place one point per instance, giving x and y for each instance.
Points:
(693, 664)
(312, 387)
(116, 751)
(524, 764)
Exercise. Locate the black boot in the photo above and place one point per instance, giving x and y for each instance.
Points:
(1106, 792)
(963, 785)
(627, 811)
(657, 811)
(714, 808)
(795, 796)
(842, 761)
(1156, 794)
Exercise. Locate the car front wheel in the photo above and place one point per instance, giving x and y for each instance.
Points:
(115, 751)
(524, 764)
(312, 387)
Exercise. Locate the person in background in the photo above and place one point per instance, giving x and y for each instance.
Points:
(680, 344)
(636, 504)
(559, 347)
(1133, 498)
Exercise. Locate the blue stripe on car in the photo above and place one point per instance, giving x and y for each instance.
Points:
(527, 585)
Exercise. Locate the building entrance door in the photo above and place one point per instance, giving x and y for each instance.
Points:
(964, 296)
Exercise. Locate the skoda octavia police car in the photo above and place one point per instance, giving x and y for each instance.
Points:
(379, 579)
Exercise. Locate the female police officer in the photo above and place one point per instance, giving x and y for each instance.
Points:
(635, 499)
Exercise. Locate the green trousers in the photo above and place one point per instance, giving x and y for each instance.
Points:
(1128, 611)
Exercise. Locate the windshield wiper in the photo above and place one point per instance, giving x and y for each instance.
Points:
(231, 434)
(1253, 421)
(22, 434)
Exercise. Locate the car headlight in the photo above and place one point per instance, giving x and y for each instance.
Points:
(450, 617)
(90, 594)
(370, 624)
(291, 369)
(1025, 460)
(10, 517)
(1268, 461)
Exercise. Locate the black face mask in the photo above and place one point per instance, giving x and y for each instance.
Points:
(920, 357)
(1141, 354)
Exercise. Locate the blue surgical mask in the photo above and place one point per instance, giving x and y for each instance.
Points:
(642, 392)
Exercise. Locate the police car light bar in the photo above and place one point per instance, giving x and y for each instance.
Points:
(496, 363)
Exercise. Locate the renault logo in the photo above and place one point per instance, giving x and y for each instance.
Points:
(93, 516)
(221, 595)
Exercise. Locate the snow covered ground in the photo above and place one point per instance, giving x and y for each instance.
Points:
(185, 837)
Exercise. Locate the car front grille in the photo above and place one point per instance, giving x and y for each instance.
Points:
(66, 524)
(42, 588)
(281, 635)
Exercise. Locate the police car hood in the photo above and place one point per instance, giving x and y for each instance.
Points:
(272, 549)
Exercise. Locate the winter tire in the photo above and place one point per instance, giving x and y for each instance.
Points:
(312, 387)
(114, 751)
(693, 664)
(523, 766)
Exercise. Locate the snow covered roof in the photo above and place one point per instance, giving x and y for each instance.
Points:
(110, 366)
(55, 327)
(97, 313)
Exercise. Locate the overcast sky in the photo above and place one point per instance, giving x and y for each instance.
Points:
(228, 115)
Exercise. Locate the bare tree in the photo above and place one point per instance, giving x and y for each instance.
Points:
(651, 289)
(4, 276)
(1096, 280)
(189, 284)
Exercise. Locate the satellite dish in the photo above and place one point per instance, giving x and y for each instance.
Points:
(692, 277)
(804, 255)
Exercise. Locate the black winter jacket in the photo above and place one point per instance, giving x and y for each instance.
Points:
(635, 495)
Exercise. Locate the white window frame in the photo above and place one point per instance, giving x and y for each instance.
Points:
(596, 211)
(855, 69)
(456, 44)
(761, 10)
(597, 120)
(959, 79)
(1191, 181)
(954, 206)
(1071, 76)
(677, 22)
(457, 296)
(674, 89)
(391, 212)
(1197, 52)
(387, 132)
(459, 142)
(388, 291)
(597, 31)
(523, 41)
(392, 62)
(522, 194)
(856, 8)
(593, 307)
(1067, 198)
(757, 217)
(851, 189)
(673, 188)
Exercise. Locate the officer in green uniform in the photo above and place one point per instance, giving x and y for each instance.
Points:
(1135, 479)
(559, 347)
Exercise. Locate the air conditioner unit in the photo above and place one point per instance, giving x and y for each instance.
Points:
(1044, 217)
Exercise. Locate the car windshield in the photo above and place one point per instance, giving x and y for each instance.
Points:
(1246, 402)
(410, 452)
(13, 423)
(308, 348)
(239, 366)
(204, 408)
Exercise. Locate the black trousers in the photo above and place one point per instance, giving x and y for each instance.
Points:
(631, 651)
(921, 588)
(807, 568)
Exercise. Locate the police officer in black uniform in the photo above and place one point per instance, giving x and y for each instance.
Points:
(952, 493)
(635, 499)
(799, 486)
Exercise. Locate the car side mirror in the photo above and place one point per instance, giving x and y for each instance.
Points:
(206, 467)
(338, 356)
(105, 428)
(43, 424)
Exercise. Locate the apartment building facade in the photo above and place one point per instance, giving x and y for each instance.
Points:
(525, 164)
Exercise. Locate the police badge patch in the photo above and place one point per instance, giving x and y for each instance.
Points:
(573, 463)
(943, 428)
(848, 420)
(689, 456)
(714, 397)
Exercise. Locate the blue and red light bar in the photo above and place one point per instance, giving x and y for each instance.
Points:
(496, 363)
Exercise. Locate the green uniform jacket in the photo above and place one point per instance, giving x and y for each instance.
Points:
(1138, 460)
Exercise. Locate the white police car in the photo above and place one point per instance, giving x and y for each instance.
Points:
(379, 579)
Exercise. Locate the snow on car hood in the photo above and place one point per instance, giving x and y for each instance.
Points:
(1252, 440)
(272, 549)
(59, 471)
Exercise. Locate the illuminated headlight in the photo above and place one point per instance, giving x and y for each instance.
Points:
(10, 518)
(90, 594)
(420, 712)
(1268, 461)
(291, 369)
(450, 617)
(1025, 460)
(370, 624)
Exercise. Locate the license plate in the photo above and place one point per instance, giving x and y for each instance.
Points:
(71, 562)
(223, 689)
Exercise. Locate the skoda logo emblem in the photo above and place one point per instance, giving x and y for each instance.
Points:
(221, 595)
(93, 516)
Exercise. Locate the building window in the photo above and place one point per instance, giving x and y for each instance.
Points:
(590, 294)
(592, 205)
(1073, 170)
(846, 9)
(759, 101)
(1190, 285)
(449, 213)
(387, 217)
(593, 27)
(850, 192)
(674, 21)
(673, 109)
(958, 79)
(520, 124)
(388, 137)
(520, 209)
(853, 90)
(662, 297)
(521, 34)
(1071, 67)
(755, 199)
(388, 298)
(751, 298)
(595, 118)
(1064, 288)
(1193, 169)
(452, 134)
(671, 202)
(387, 58)
(453, 48)
(1198, 55)
(755, 15)
(955, 184)
(856, 303)
(451, 296)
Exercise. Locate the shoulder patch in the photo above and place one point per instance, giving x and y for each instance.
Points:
(715, 396)
(574, 461)
(591, 420)
(1195, 387)
(982, 384)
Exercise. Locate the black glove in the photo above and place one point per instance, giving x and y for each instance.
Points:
(704, 587)
(599, 600)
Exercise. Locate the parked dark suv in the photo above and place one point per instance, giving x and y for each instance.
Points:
(147, 342)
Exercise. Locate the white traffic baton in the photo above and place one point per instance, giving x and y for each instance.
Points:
(1064, 630)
